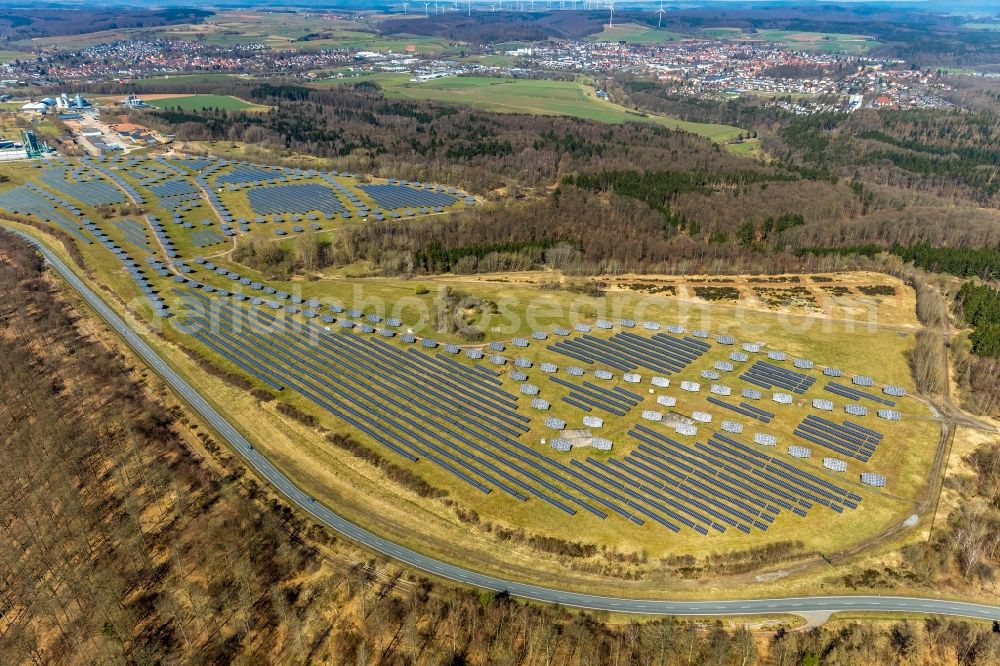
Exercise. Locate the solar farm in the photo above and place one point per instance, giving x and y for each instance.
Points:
(643, 431)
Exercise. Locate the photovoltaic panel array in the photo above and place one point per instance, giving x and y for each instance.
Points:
(31, 200)
(194, 163)
(90, 190)
(720, 484)
(174, 188)
(294, 198)
(205, 238)
(768, 375)
(628, 351)
(418, 404)
(135, 233)
(100, 166)
(744, 408)
(241, 174)
(423, 401)
(589, 396)
(403, 196)
(856, 394)
(848, 439)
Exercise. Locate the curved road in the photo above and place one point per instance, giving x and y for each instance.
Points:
(798, 606)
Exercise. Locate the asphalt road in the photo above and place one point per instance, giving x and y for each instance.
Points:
(795, 605)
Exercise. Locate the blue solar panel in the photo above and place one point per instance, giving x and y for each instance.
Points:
(295, 198)
(402, 196)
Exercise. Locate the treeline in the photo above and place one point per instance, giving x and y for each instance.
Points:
(584, 232)
(467, 259)
(951, 153)
(981, 309)
(983, 262)
(663, 98)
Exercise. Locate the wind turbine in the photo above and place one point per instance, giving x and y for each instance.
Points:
(427, 10)
(660, 12)
(611, 19)
(470, 7)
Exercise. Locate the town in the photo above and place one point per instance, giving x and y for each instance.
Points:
(799, 81)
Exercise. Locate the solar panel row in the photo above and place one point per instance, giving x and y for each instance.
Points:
(847, 439)
(855, 394)
(767, 375)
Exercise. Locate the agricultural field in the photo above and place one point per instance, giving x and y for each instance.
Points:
(721, 33)
(394, 364)
(11, 56)
(747, 147)
(818, 41)
(74, 42)
(981, 25)
(808, 41)
(298, 30)
(198, 77)
(636, 34)
(563, 98)
(302, 31)
(200, 102)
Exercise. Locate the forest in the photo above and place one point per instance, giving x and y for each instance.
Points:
(132, 534)
(48, 21)
(980, 305)
(947, 152)
(983, 263)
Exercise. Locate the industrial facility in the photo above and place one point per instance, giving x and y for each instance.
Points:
(64, 104)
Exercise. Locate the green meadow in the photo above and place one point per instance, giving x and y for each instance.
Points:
(550, 98)
(200, 102)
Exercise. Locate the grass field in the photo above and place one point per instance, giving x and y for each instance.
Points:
(818, 41)
(492, 60)
(73, 42)
(199, 77)
(11, 56)
(558, 98)
(200, 102)
(360, 491)
(748, 147)
(807, 41)
(636, 34)
(984, 25)
(721, 33)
